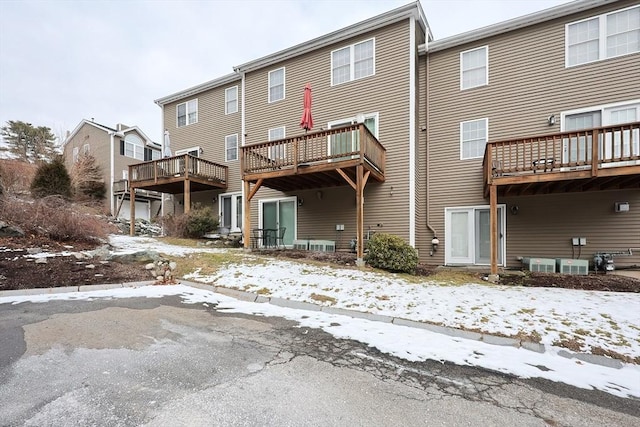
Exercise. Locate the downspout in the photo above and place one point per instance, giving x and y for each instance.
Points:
(161, 156)
(112, 171)
(434, 242)
(412, 132)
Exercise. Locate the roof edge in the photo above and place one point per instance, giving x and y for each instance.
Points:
(412, 9)
(211, 84)
(516, 23)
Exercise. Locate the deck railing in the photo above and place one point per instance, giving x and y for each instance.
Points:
(602, 147)
(332, 145)
(184, 166)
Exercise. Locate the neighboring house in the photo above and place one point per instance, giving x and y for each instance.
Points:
(114, 150)
(433, 141)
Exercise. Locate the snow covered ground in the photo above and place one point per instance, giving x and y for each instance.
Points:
(594, 320)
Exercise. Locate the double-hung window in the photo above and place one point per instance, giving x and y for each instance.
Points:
(276, 85)
(474, 68)
(133, 147)
(473, 138)
(353, 62)
(231, 147)
(604, 36)
(231, 100)
(187, 113)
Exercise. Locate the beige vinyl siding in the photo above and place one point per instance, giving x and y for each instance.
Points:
(560, 218)
(528, 82)
(209, 134)
(385, 93)
(99, 147)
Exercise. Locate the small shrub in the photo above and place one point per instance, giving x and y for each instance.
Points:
(201, 221)
(391, 253)
(16, 176)
(194, 224)
(51, 179)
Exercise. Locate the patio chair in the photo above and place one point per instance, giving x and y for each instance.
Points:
(280, 236)
(256, 237)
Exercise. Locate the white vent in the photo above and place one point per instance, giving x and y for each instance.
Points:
(322, 245)
(540, 265)
(301, 245)
(573, 266)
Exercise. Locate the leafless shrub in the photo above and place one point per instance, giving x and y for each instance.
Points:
(16, 176)
(174, 225)
(55, 218)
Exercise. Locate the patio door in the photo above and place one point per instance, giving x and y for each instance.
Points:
(467, 237)
(275, 214)
(230, 208)
(349, 142)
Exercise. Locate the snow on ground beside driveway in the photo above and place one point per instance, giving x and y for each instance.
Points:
(408, 343)
(590, 320)
(128, 245)
(610, 320)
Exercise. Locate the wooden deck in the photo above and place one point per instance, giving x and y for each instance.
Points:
(121, 187)
(587, 160)
(168, 175)
(315, 160)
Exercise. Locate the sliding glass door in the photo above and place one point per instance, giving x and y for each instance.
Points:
(275, 214)
(467, 237)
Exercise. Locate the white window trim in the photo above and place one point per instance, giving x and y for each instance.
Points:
(226, 100)
(76, 154)
(600, 108)
(261, 203)
(602, 38)
(138, 143)
(486, 68)
(188, 150)
(284, 85)
(447, 233)
(486, 120)
(234, 213)
(352, 62)
(354, 119)
(226, 159)
(186, 103)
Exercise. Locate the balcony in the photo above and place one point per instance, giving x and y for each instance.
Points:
(178, 174)
(586, 160)
(314, 160)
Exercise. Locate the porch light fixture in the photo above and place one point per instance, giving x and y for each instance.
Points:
(215, 199)
(300, 201)
(434, 244)
(551, 120)
(514, 209)
(319, 194)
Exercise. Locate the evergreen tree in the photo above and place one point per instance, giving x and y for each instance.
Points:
(51, 178)
(28, 143)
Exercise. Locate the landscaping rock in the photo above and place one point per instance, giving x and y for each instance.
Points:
(7, 230)
(41, 260)
(138, 257)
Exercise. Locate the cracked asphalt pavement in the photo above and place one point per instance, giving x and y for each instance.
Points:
(160, 362)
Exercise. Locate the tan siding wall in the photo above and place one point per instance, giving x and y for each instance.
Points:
(99, 142)
(209, 134)
(386, 93)
(528, 81)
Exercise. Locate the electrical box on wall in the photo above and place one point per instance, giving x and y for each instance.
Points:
(339, 227)
(622, 207)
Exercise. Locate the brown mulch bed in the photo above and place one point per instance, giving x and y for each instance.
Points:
(18, 272)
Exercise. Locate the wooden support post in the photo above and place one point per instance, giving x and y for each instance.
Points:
(132, 211)
(246, 215)
(359, 215)
(493, 227)
(187, 195)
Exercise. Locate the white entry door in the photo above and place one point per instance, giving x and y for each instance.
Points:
(467, 236)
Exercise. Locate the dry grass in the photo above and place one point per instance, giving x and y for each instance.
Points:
(55, 218)
(323, 298)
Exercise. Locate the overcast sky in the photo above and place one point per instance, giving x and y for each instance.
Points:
(63, 61)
